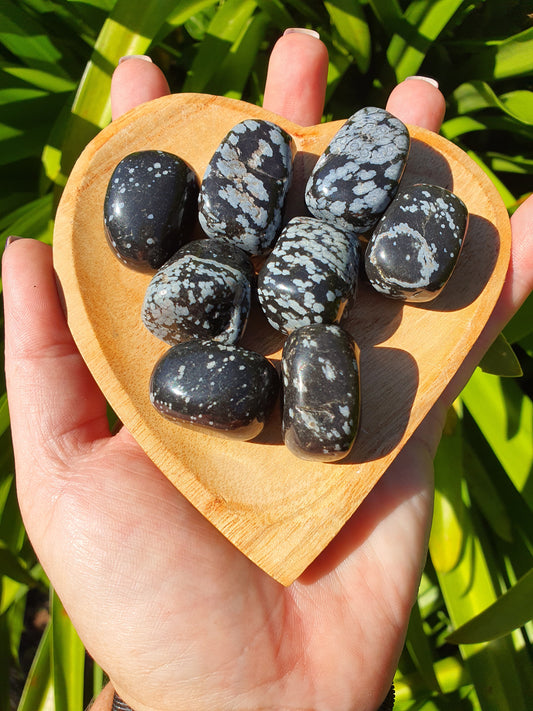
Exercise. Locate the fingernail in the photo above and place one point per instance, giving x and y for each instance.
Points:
(145, 57)
(302, 31)
(10, 240)
(429, 80)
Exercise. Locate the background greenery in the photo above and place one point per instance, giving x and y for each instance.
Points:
(469, 641)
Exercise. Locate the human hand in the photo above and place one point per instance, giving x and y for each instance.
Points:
(173, 612)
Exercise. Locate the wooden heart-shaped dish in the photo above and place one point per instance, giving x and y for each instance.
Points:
(278, 510)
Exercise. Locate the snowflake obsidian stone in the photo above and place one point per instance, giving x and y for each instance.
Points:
(150, 208)
(203, 292)
(358, 174)
(320, 386)
(310, 276)
(245, 184)
(413, 250)
(209, 386)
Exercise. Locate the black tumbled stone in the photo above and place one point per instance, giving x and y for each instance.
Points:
(320, 385)
(203, 291)
(245, 184)
(414, 248)
(358, 174)
(220, 389)
(310, 276)
(150, 208)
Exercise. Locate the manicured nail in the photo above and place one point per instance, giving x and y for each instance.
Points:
(10, 240)
(302, 31)
(429, 80)
(145, 57)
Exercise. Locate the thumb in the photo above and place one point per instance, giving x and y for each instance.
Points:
(54, 402)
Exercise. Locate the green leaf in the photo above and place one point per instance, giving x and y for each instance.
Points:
(505, 416)
(348, 18)
(37, 694)
(277, 12)
(510, 164)
(129, 29)
(468, 589)
(513, 55)
(485, 494)
(510, 611)
(309, 11)
(15, 95)
(4, 414)
(527, 344)
(12, 592)
(25, 38)
(339, 63)
(501, 59)
(31, 220)
(99, 679)
(106, 5)
(12, 533)
(508, 198)
(232, 75)
(15, 621)
(420, 651)
(519, 104)
(500, 359)
(477, 95)
(224, 29)
(186, 9)
(68, 660)
(425, 20)
(446, 538)
(459, 125)
(20, 136)
(389, 13)
(13, 567)
(46, 80)
(451, 675)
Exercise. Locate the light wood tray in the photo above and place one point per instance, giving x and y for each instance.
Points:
(278, 510)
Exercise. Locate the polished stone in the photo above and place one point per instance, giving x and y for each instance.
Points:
(212, 387)
(245, 184)
(320, 385)
(310, 275)
(203, 292)
(415, 247)
(358, 174)
(150, 208)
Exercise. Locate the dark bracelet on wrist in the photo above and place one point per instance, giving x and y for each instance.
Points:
(388, 703)
(118, 704)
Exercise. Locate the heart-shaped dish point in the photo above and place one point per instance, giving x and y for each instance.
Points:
(278, 510)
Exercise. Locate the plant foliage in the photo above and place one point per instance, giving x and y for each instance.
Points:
(470, 635)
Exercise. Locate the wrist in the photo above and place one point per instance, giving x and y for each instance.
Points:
(108, 700)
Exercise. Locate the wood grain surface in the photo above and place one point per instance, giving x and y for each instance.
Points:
(278, 510)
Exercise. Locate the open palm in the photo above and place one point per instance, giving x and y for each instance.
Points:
(178, 617)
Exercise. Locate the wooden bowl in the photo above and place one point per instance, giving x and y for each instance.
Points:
(278, 510)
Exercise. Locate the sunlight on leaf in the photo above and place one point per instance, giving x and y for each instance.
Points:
(349, 20)
(510, 611)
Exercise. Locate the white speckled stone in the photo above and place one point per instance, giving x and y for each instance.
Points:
(215, 388)
(203, 292)
(414, 248)
(358, 174)
(310, 276)
(150, 208)
(320, 385)
(245, 184)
